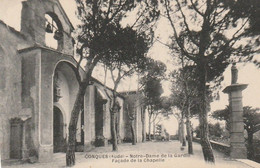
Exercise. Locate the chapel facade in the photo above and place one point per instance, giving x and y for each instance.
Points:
(38, 89)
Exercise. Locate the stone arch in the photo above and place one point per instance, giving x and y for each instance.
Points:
(70, 63)
(54, 31)
(101, 92)
(66, 96)
(67, 78)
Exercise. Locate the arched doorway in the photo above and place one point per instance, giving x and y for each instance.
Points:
(58, 131)
(65, 87)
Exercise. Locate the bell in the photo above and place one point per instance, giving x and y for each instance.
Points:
(48, 28)
(57, 35)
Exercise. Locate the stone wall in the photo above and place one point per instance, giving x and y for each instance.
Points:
(38, 66)
(23, 75)
(26, 87)
(221, 147)
(10, 82)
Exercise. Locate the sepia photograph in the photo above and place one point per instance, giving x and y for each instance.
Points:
(130, 83)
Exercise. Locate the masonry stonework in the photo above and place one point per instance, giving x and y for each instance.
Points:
(237, 140)
(38, 88)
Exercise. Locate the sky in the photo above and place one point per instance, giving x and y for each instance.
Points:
(10, 13)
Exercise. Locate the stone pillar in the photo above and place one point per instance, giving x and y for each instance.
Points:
(89, 118)
(237, 141)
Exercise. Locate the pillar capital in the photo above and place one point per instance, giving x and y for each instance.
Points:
(235, 88)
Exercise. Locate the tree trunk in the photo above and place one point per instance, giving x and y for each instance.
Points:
(189, 136)
(203, 120)
(183, 139)
(113, 131)
(179, 130)
(133, 132)
(70, 154)
(153, 129)
(118, 127)
(143, 126)
(205, 143)
(250, 149)
(149, 131)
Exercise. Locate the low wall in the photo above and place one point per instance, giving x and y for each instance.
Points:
(221, 147)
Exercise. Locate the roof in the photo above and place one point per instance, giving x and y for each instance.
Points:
(97, 81)
(19, 34)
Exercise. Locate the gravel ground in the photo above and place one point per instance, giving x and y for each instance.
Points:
(142, 155)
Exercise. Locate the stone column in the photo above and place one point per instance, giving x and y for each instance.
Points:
(89, 118)
(237, 141)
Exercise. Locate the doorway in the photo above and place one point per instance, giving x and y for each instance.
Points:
(58, 131)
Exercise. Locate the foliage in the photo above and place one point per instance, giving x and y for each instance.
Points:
(206, 33)
(166, 106)
(215, 130)
(123, 57)
(151, 77)
(223, 115)
(251, 123)
(209, 29)
(101, 38)
(152, 69)
(152, 91)
(184, 89)
(246, 9)
(251, 117)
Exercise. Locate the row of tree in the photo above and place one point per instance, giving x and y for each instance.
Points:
(103, 38)
(206, 37)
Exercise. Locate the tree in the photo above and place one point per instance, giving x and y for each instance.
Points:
(129, 53)
(246, 9)
(208, 34)
(152, 92)
(185, 97)
(223, 115)
(215, 130)
(153, 69)
(143, 113)
(151, 77)
(251, 123)
(100, 19)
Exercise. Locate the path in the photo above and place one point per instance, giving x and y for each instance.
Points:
(151, 155)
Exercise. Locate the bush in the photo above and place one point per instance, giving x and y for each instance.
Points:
(215, 131)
